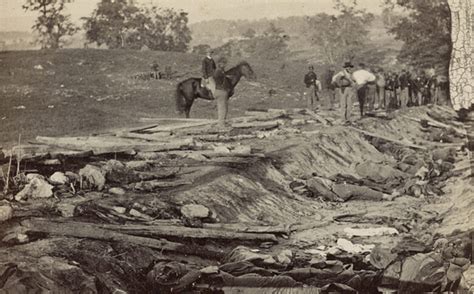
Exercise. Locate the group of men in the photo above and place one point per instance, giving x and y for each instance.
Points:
(376, 88)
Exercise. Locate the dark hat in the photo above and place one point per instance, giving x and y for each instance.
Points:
(348, 64)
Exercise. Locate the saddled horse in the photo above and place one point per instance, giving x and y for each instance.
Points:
(190, 89)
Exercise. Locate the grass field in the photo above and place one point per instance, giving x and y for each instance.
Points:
(82, 91)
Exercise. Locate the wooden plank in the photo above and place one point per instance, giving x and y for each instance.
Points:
(258, 290)
(186, 232)
(161, 136)
(112, 144)
(173, 127)
(182, 120)
(265, 125)
(93, 231)
(407, 144)
(318, 117)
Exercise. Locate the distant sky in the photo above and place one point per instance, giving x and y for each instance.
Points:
(14, 18)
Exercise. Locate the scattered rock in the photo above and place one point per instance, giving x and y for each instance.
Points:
(242, 149)
(284, 257)
(59, 178)
(92, 177)
(221, 149)
(120, 209)
(350, 247)
(73, 177)
(66, 209)
(139, 214)
(30, 177)
(38, 67)
(37, 188)
(116, 191)
(138, 164)
(195, 211)
(6, 212)
(51, 162)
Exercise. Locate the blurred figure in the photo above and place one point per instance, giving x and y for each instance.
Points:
(372, 92)
(380, 82)
(313, 85)
(330, 87)
(346, 89)
(433, 88)
(404, 85)
(365, 82)
(208, 69)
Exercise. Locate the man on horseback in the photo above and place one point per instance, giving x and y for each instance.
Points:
(208, 69)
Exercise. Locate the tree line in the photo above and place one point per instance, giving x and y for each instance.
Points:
(117, 24)
(422, 25)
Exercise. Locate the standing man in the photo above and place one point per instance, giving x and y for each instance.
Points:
(221, 92)
(314, 86)
(345, 88)
(381, 89)
(363, 78)
(404, 83)
(208, 69)
(330, 86)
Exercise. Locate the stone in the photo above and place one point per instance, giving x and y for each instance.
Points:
(73, 177)
(120, 209)
(6, 213)
(138, 164)
(139, 214)
(30, 177)
(350, 247)
(195, 211)
(221, 149)
(284, 257)
(51, 162)
(117, 191)
(37, 188)
(66, 209)
(92, 177)
(59, 178)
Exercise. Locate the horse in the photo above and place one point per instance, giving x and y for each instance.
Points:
(190, 89)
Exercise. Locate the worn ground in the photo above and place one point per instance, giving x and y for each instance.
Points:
(268, 185)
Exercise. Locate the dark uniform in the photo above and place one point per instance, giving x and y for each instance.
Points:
(404, 82)
(310, 81)
(208, 69)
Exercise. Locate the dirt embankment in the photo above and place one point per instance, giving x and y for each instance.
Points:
(331, 207)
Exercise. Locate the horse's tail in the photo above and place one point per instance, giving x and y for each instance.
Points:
(180, 99)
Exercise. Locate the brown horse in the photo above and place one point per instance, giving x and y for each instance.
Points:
(190, 89)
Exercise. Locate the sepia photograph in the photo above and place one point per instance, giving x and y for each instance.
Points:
(252, 146)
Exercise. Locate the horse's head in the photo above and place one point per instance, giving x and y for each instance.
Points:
(247, 70)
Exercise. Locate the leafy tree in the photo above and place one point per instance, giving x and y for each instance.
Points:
(52, 25)
(110, 23)
(271, 45)
(341, 37)
(425, 31)
(249, 34)
(121, 24)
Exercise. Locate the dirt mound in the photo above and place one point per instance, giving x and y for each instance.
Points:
(325, 205)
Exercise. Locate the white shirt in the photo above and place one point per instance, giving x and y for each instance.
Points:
(342, 73)
(363, 76)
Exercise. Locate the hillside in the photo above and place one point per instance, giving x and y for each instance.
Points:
(80, 91)
(217, 32)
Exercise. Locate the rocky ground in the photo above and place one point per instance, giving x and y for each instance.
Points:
(282, 198)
